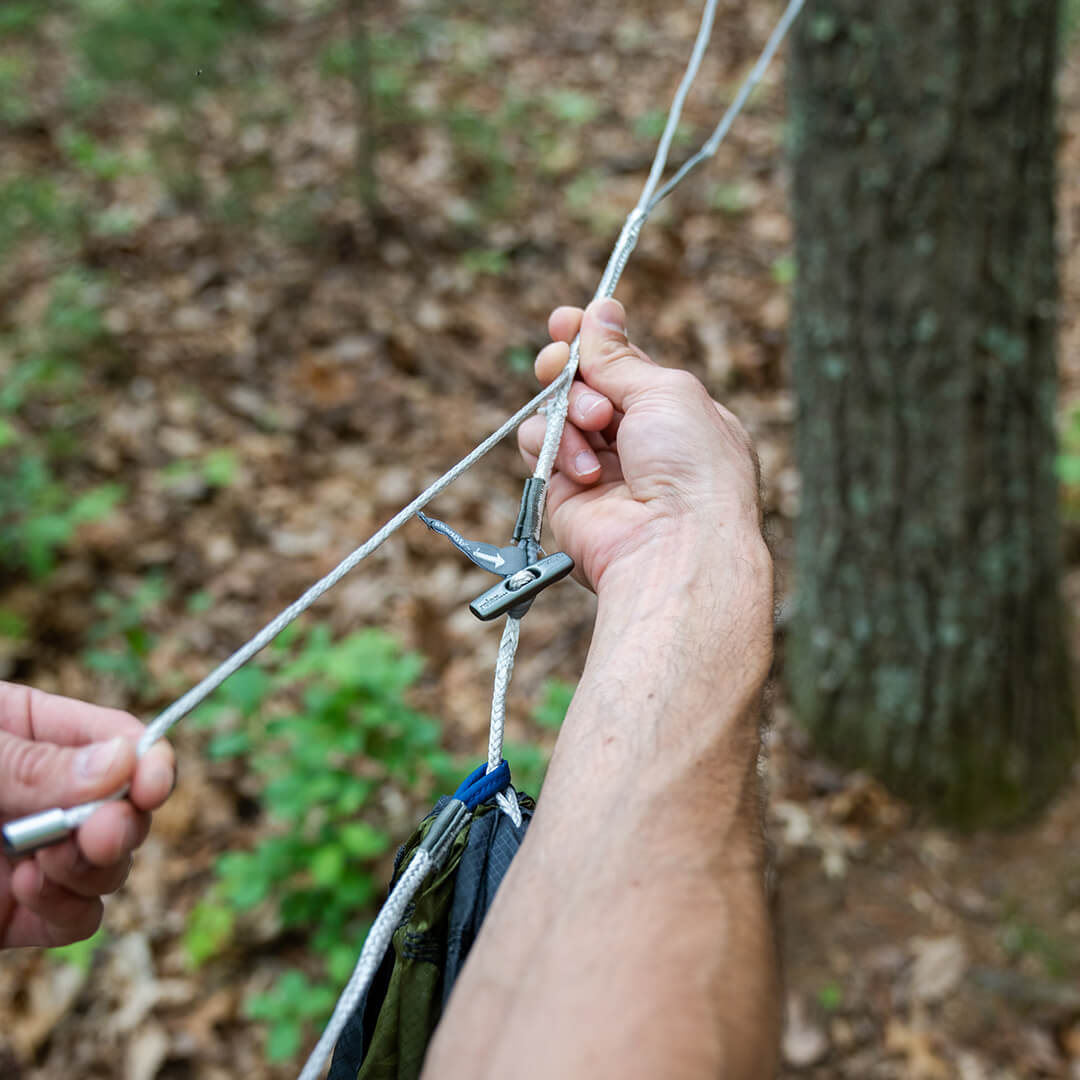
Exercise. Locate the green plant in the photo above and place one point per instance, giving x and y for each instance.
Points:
(17, 16)
(39, 515)
(119, 643)
(485, 261)
(1070, 20)
(216, 469)
(649, 126)
(1020, 937)
(572, 107)
(31, 205)
(1068, 465)
(168, 46)
(783, 270)
(554, 702)
(80, 954)
(322, 767)
(39, 512)
(325, 726)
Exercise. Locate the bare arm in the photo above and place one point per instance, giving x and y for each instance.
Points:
(631, 936)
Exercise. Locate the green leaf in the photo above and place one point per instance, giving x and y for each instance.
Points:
(363, 841)
(12, 625)
(230, 744)
(328, 866)
(246, 689)
(209, 930)
(551, 711)
(283, 1040)
(573, 107)
(96, 503)
(783, 270)
(80, 954)
(219, 467)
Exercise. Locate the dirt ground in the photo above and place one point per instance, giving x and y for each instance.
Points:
(346, 362)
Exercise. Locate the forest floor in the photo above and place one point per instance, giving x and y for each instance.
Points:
(278, 373)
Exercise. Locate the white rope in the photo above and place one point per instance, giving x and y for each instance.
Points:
(504, 668)
(375, 945)
(165, 720)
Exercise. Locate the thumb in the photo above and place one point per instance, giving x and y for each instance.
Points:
(609, 363)
(39, 775)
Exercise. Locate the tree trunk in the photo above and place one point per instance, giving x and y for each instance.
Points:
(928, 641)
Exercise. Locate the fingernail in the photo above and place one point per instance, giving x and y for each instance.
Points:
(586, 462)
(610, 313)
(589, 403)
(97, 760)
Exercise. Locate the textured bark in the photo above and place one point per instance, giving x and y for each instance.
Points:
(928, 641)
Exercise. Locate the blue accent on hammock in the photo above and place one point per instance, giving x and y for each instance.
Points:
(479, 785)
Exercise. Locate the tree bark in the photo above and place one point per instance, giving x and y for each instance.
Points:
(928, 640)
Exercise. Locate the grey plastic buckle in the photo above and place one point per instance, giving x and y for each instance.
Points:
(521, 586)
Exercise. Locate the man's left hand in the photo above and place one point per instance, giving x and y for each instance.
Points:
(56, 752)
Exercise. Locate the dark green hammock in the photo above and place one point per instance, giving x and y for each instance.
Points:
(388, 1034)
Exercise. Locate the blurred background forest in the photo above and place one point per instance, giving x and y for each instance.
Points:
(267, 269)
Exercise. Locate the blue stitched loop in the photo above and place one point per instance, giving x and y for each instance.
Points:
(480, 785)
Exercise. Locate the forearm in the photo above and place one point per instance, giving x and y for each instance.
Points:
(630, 937)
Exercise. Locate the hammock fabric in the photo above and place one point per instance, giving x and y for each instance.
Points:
(388, 1034)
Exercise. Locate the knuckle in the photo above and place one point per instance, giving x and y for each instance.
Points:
(612, 349)
(684, 383)
(25, 763)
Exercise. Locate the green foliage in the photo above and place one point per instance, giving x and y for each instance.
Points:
(325, 766)
(94, 159)
(485, 261)
(322, 769)
(166, 46)
(80, 954)
(831, 996)
(573, 107)
(31, 205)
(1070, 20)
(14, 100)
(216, 469)
(729, 198)
(1068, 466)
(519, 360)
(1020, 937)
(287, 1009)
(119, 642)
(649, 126)
(783, 270)
(554, 702)
(17, 16)
(39, 513)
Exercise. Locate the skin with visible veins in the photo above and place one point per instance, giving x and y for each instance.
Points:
(631, 935)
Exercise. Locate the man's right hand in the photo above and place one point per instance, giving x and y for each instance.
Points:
(648, 463)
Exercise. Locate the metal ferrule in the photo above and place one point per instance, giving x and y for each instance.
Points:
(443, 830)
(36, 831)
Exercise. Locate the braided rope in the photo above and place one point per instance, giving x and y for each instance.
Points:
(375, 945)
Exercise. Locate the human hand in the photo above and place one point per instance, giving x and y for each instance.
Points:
(649, 463)
(58, 752)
